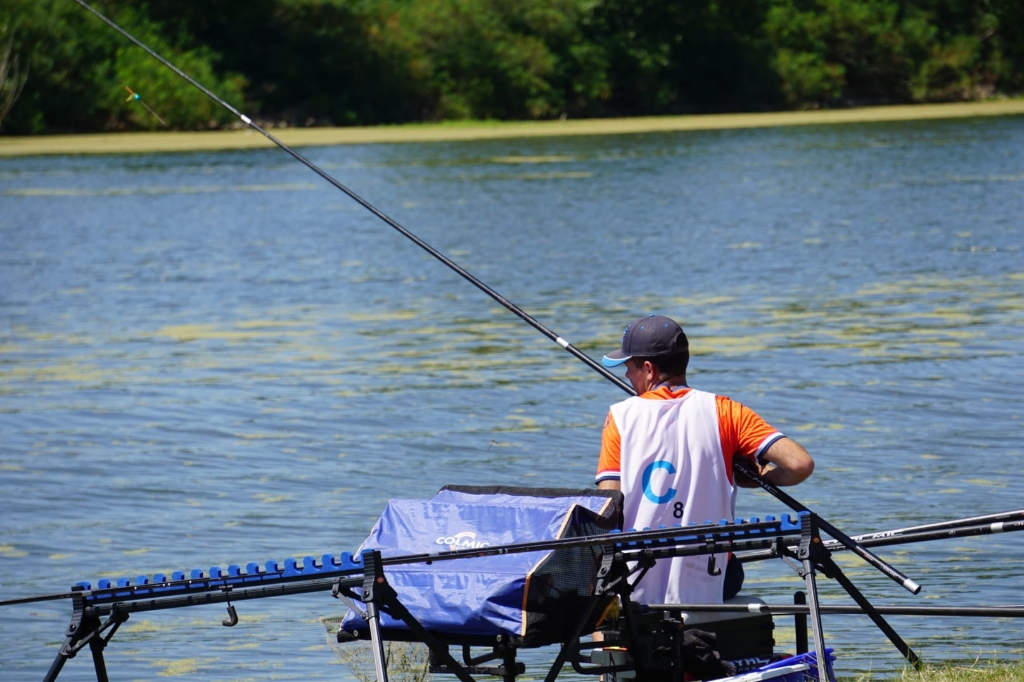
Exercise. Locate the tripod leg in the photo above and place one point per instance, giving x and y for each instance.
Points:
(815, 616)
(58, 663)
(379, 663)
(96, 646)
(72, 635)
(874, 615)
(376, 640)
(800, 623)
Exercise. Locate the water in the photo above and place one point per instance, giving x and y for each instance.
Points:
(216, 358)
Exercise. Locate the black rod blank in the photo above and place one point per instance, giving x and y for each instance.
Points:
(1015, 611)
(908, 536)
(523, 315)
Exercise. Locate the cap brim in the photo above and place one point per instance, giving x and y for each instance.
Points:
(615, 358)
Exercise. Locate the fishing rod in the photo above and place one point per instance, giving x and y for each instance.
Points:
(682, 540)
(1014, 611)
(1013, 515)
(465, 274)
(988, 524)
(1000, 522)
(743, 467)
(851, 544)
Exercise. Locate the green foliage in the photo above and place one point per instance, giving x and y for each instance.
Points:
(306, 61)
(684, 56)
(472, 59)
(343, 62)
(875, 51)
(807, 79)
(12, 77)
(78, 69)
(967, 59)
(835, 49)
(180, 104)
(1007, 38)
(62, 61)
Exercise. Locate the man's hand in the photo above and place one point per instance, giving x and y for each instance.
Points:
(786, 463)
(744, 481)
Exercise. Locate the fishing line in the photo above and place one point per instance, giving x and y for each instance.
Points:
(878, 563)
(593, 364)
(132, 95)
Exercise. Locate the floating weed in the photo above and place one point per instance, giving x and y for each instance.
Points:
(406, 661)
(550, 158)
(10, 552)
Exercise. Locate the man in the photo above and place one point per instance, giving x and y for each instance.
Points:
(670, 450)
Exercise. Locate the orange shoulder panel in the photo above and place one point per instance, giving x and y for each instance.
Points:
(741, 429)
(611, 447)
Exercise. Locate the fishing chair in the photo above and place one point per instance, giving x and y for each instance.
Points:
(510, 601)
(501, 602)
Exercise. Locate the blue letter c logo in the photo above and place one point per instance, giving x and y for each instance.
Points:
(648, 493)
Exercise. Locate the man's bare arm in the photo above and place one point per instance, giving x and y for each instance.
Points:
(790, 463)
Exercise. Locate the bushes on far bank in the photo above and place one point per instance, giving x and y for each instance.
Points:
(341, 62)
(78, 68)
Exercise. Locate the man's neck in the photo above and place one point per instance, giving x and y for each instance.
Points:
(672, 382)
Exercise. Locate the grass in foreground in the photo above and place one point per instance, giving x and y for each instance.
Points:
(983, 671)
(408, 663)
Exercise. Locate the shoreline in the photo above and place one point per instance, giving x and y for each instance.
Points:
(223, 140)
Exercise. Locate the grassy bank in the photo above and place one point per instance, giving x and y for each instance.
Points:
(980, 672)
(127, 143)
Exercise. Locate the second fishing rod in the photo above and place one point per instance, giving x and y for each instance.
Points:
(841, 537)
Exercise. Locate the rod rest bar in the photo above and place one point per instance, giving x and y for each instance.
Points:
(707, 539)
(205, 586)
(199, 581)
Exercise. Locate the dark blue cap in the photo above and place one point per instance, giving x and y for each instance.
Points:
(649, 337)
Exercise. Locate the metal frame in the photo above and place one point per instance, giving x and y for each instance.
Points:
(645, 636)
(98, 613)
(95, 611)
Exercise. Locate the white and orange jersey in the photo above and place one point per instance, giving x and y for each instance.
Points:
(672, 453)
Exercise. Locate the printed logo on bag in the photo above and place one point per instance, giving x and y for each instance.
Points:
(464, 540)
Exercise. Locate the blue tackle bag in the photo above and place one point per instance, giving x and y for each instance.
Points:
(534, 597)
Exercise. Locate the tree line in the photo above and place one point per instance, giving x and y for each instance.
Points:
(364, 62)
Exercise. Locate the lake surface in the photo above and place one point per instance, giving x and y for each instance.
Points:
(217, 358)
